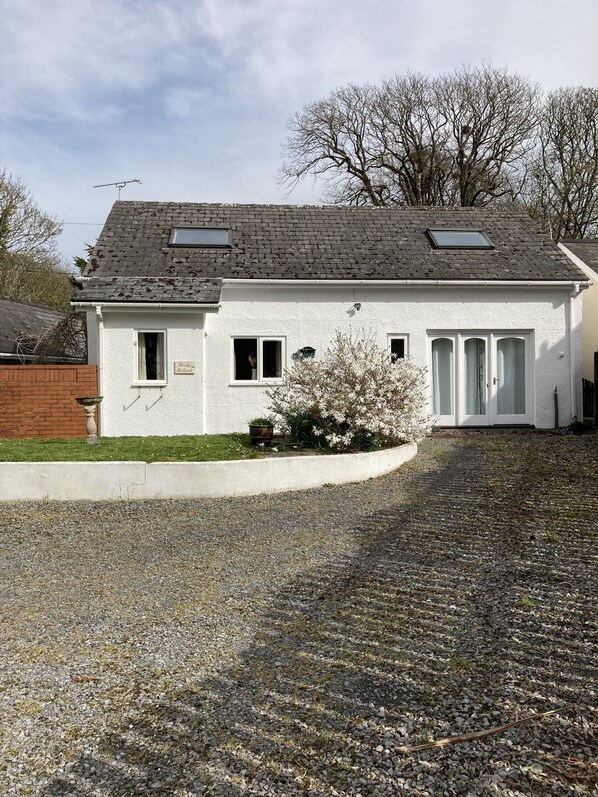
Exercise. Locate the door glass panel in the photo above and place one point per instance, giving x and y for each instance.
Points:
(510, 375)
(442, 376)
(475, 376)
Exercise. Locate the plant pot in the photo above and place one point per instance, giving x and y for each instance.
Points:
(261, 435)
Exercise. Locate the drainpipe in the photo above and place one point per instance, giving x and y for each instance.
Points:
(100, 320)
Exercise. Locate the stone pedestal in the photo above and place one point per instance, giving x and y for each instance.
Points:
(89, 404)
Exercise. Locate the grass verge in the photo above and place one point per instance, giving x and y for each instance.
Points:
(184, 448)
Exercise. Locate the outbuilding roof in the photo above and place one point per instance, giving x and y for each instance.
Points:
(586, 250)
(309, 242)
(19, 319)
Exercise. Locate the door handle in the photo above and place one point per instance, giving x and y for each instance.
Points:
(494, 381)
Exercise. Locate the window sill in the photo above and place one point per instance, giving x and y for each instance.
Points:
(153, 383)
(256, 383)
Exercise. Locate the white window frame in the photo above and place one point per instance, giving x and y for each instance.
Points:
(150, 382)
(398, 336)
(201, 244)
(260, 377)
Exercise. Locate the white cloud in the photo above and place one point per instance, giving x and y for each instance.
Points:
(65, 58)
(81, 59)
(192, 95)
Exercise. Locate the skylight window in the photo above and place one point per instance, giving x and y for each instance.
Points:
(200, 236)
(460, 239)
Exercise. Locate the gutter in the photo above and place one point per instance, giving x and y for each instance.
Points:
(418, 283)
(48, 361)
(16, 356)
(149, 305)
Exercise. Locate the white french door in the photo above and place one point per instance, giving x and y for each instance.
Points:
(511, 379)
(480, 379)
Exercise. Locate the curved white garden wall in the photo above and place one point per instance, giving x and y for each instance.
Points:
(75, 481)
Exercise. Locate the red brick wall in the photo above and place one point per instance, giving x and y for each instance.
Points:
(39, 400)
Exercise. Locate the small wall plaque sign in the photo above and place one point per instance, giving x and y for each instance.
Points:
(184, 366)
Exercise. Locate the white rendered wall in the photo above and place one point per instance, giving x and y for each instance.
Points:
(132, 409)
(308, 316)
(590, 330)
(590, 315)
(92, 337)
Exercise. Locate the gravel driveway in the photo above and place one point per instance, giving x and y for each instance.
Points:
(292, 644)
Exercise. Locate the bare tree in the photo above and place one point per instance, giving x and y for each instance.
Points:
(563, 194)
(30, 267)
(412, 136)
(493, 117)
(333, 138)
(64, 340)
(461, 138)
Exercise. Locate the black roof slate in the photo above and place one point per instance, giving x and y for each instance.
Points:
(151, 289)
(586, 250)
(317, 242)
(18, 318)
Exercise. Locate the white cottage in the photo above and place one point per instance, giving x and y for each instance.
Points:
(195, 310)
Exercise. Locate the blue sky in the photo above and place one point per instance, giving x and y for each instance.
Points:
(193, 96)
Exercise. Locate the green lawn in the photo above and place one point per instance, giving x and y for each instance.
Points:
(188, 448)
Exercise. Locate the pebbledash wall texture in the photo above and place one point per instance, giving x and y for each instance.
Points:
(208, 400)
(39, 400)
(481, 297)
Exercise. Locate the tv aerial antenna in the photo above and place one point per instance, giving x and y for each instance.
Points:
(120, 184)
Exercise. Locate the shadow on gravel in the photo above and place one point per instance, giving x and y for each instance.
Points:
(461, 611)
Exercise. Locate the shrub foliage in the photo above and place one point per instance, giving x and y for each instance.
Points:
(354, 396)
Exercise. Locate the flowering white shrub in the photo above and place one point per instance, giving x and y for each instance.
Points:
(355, 396)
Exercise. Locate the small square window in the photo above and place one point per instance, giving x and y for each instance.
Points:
(150, 357)
(200, 236)
(257, 359)
(397, 345)
(459, 239)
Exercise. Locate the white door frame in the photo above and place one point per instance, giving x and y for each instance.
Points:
(463, 418)
(459, 417)
(508, 419)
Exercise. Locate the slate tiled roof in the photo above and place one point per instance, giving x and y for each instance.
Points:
(19, 318)
(322, 242)
(151, 289)
(586, 250)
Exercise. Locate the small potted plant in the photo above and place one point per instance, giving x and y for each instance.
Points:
(261, 431)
